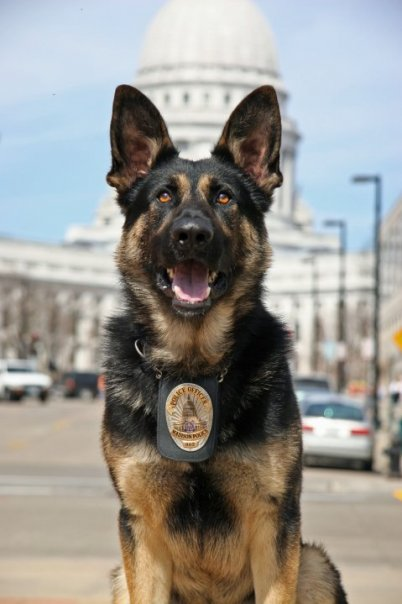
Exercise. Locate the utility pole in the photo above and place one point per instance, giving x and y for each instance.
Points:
(376, 180)
(315, 303)
(341, 336)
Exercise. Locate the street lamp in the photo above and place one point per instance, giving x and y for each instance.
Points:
(376, 180)
(341, 350)
(314, 296)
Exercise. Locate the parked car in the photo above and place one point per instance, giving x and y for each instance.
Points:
(335, 428)
(19, 378)
(81, 384)
(308, 384)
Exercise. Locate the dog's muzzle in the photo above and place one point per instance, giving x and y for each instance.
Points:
(191, 275)
(191, 234)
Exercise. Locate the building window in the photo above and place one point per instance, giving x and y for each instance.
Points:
(186, 98)
(166, 99)
(227, 98)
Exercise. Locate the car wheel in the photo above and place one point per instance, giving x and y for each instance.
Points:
(368, 465)
(43, 397)
(12, 396)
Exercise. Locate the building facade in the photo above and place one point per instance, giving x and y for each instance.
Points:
(391, 294)
(54, 298)
(52, 302)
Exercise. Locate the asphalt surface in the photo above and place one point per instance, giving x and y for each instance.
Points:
(58, 513)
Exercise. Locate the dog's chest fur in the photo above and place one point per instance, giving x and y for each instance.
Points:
(206, 514)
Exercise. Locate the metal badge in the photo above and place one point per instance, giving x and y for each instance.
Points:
(189, 415)
(187, 419)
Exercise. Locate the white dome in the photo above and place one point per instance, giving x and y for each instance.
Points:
(196, 33)
(200, 58)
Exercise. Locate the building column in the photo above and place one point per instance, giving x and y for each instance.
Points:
(287, 195)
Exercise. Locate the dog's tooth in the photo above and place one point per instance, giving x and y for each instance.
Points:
(170, 273)
(212, 277)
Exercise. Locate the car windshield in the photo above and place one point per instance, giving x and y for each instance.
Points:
(16, 369)
(310, 384)
(334, 411)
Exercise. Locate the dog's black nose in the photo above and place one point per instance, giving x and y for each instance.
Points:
(191, 233)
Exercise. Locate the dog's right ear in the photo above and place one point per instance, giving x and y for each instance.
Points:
(138, 136)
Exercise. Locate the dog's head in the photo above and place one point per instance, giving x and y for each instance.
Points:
(194, 236)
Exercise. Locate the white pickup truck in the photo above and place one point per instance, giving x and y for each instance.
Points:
(19, 378)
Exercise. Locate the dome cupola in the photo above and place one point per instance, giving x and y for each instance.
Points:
(200, 58)
(226, 34)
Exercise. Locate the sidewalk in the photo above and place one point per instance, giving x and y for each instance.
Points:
(319, 480)
(41, 601)
(52, 601)
(355, 514)
(358, 517)
(39, 580)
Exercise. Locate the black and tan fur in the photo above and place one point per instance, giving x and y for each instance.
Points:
(226, 530)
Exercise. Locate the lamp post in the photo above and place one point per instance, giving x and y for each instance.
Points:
(376, 180)
(314, 296)
(341, 350)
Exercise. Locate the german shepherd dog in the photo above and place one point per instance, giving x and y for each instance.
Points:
(201, 430)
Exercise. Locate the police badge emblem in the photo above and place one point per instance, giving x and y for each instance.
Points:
(187, 415)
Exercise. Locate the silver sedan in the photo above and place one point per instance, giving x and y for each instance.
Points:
(335, 428)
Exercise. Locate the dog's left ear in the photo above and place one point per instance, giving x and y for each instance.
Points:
(251, 138)
(138, 136)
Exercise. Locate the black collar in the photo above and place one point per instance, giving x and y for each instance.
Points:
(147, 367)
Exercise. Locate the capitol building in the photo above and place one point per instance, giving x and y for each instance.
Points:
(54, 298)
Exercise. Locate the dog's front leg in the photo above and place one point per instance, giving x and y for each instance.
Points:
(275, 573)
(147, 564)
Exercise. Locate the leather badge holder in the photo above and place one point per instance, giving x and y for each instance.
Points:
(188, 418)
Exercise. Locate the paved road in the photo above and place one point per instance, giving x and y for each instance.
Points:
(58, 513)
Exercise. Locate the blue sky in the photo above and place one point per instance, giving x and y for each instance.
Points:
(61, 61)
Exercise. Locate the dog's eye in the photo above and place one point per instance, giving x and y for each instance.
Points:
(164, 197)
(223, 198)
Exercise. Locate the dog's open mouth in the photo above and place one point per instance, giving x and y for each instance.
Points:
(191, 284)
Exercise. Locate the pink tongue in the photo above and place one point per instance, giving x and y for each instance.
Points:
(190, 282)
